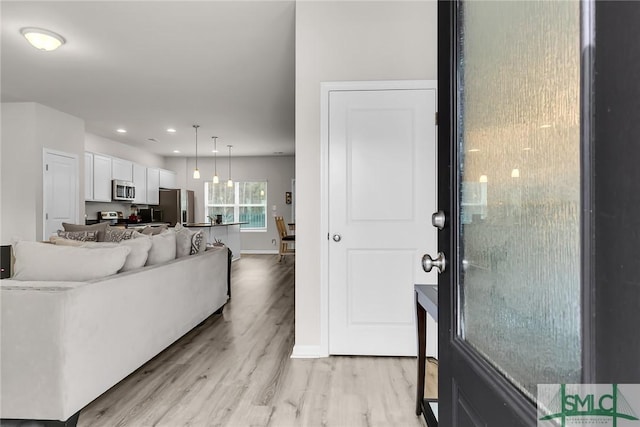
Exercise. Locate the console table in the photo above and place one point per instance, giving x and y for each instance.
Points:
(426, 302)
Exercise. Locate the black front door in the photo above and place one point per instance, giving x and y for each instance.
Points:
(510, 175)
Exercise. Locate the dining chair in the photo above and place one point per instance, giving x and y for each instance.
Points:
(287, 241)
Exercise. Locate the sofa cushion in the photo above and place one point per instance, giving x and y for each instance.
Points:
(139, 252)
(68, 242)
(163, 248)
(99, 227)
(137, 257)
(151, 231)
(83, 236)
(46, 262)
(115, 234)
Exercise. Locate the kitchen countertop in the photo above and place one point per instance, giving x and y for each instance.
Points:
(208, 224)
(146, 224)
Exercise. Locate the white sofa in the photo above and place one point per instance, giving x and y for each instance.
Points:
(63, 344)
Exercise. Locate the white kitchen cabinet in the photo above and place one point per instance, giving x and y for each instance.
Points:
(153, 186)
(88, 176)
(167, 179)
(140, 180)
(121, 169)
(101, 178)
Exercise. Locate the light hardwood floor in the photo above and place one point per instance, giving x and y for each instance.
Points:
(235, 370)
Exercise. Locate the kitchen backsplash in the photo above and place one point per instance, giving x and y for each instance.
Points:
(92, 208)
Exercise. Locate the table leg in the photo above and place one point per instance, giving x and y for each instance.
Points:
(421, 315)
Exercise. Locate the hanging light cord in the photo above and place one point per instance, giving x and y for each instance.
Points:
(215, 155)
(196, 127)
(229, 182)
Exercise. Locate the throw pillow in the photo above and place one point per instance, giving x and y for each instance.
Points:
(137, 257)
(197, 243)
(139, 253)
(46, 262)
(114, 234)
(183, 241)
(152, 231)
(99, 227)
(163, 248)
(84, 236)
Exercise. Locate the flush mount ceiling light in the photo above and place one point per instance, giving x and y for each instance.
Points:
(171, 130)
(42, 39)
(121, 130)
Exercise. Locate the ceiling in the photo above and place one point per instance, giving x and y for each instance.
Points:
(146, 66)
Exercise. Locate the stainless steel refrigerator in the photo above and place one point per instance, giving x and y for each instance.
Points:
(177, 206)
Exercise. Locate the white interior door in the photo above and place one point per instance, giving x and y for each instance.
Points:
(382, 192)
(60, 190)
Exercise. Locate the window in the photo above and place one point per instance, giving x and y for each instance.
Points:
(244, 202)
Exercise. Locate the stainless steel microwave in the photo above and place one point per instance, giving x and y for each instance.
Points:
(123, 190)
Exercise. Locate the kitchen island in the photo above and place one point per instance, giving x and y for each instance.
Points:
(228, 233)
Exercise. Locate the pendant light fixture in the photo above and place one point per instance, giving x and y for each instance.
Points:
(216, 180)
(229, 182)
(196, 172)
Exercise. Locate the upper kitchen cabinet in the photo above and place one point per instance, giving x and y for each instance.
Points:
(122, 169)
(140, 181)
(101, 178)
(88, 176)
(167, 179)
(153, 186)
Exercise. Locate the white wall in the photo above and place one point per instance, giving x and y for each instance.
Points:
(277, 170)
(344, 41)
(27, 128)
(179, 166)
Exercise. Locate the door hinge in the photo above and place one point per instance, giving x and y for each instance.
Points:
(46, 216)
(436, 118)
(46, 167)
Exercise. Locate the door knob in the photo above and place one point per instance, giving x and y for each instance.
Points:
(429, 263)
(337, 237)
(438, 220)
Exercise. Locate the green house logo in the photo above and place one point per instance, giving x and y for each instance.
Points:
(589, 405)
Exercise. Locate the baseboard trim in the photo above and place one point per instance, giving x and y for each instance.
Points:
(307, 352)
(259, 251)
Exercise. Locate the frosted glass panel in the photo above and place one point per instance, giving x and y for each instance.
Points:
(519, 289)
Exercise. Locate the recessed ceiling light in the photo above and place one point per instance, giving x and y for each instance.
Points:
(171, 130)
(545, 126)
(214, 151)
(176, 151)
(474, 150)
(121, 130)
(527, 148)
(42, 39)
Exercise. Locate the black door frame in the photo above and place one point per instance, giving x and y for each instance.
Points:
(454, 355)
